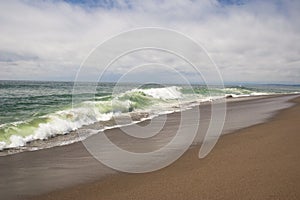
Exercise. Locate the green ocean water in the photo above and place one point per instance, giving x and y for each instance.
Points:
(32, 110)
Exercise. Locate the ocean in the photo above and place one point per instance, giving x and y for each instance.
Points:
(37, 111)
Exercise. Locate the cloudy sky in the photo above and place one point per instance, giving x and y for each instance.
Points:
(249, 40)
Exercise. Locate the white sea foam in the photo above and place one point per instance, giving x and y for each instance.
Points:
(16, 141)
(172, 92)
(2, 145)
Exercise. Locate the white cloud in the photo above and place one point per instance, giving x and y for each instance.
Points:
(255, 41)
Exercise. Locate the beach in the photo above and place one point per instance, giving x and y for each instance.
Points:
(258, 162)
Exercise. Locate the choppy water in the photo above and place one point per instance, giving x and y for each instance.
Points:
(31, 110)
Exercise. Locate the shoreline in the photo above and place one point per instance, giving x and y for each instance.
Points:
(243, 174)
(72, 136)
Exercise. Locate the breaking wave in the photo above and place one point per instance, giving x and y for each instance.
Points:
(153, 101)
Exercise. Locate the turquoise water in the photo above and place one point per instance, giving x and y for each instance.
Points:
(32, 110)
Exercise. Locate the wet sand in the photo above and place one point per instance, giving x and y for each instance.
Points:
(239, 165)
(258, 162)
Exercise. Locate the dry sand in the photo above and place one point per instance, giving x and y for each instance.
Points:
(259, 162)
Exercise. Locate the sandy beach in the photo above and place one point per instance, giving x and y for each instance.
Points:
(258, 162)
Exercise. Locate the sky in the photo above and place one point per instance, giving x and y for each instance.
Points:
(249, 40)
